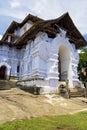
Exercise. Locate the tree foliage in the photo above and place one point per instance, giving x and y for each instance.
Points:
(83, 64)
(83, 56)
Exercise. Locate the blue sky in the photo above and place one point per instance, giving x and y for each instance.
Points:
(47, 9)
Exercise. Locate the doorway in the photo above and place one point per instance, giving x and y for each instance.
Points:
(3, 72)
(64, 60)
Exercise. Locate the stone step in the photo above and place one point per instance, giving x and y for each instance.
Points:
(5, 85)
(76, 95)
(72, 92)
(77, 92)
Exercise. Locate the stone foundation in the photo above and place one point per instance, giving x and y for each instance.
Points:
(13, 78)
(41, 83)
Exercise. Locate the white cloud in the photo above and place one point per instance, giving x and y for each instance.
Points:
(14, 4)
(52, 9)
(49, 9)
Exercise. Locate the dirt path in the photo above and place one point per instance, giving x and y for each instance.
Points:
(17, 104)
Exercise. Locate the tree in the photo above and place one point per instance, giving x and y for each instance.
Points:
(82, 67)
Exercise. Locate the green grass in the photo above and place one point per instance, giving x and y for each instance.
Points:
(65, 122)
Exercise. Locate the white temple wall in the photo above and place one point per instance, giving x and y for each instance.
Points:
(30, 57)
(8, 58)
(35, 56)
(40, 59)
(25, 27)
(53, 61)
(49, 60)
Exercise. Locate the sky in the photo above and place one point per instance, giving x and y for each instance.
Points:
(47, 9)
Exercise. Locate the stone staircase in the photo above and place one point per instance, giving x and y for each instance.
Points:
(77, 92)
(67, 92)
(6, 85)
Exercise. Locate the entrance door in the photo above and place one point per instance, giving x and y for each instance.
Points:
(3, 72)
(64, 60)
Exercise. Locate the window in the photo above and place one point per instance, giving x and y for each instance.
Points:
(18, 68)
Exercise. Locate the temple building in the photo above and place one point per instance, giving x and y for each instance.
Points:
(41, 52)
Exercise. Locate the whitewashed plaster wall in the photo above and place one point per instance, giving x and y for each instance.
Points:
(70, 60)
(25, 27)
(41, 59)
(29, 63)
(9, 58)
